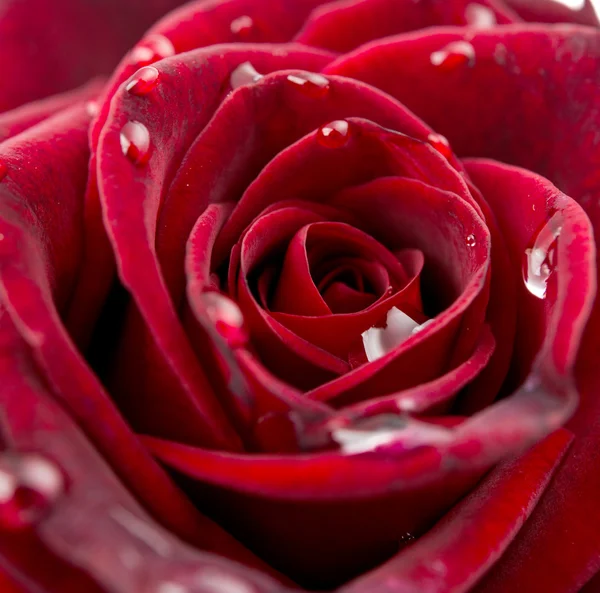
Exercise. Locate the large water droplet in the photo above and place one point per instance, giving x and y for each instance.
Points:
(378, 341)
(143, 81)
(226, 317)
(135, 142)
(242, 27)
(540, 260)
(334, 134)
(3, 170)
(441, 144)
(457, 53)
(369, 434)
(471, 240)
(30, 484)
(311, 84)
(152, 49)
(480, 16)
(244, 74)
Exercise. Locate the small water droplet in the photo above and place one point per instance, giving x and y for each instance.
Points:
(334, 134)
(471, 241)
(152, 49)
(135, 142)
(441, 144)
(30, 484)
(457, 53)
(242, 27)
(226, 317)
(311, 84)
(540, 260)
(3, 171)
(143, 81)
(244, 74)
(379, 341)
(480, 16)
(92, 108)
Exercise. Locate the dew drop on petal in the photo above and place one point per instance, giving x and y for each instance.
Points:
(226, 317)
(457, 53)
(311, 84)
(135, 142)
(334, 134)
(92, 108)
(143, 81)
(244, 74)
(441, 144)
(369, 434)
(242, 27)
(30, 484)
(152, 49)
(379, 341)
(540, 260)
(480, 16)
(471, 241)
(3, 171)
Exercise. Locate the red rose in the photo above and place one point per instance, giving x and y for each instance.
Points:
(278, 314)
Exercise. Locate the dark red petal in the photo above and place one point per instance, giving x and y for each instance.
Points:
(155, 345)
(17, 120)
(555, 11)
(40, 250)
(344, 25)
(472, 536)
(48, 49)
(542, 79)
(94, 523)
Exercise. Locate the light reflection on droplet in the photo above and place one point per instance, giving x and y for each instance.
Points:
(311, 84)
(244, 74)
(334, 134)
(29, 486)
(152, 49)
(213, 580)
(421, 327)
(471, 240)
(379, 341)
(135, 142)
(242, 26)
(540, 260)
(480, 16)
(226, 316)
(441, 144)
(143, 81)
(92, 108)
(457, 53)
(369, 434)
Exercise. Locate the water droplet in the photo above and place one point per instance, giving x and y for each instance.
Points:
(92, 108)
(378, 341)
(135, 142)
(3, 171)
(457, 53)
(29, 486)
(471, 241)
(369, 433)
(441, 144)
(334, 134)
(421, 327)
(226, 317)
(242, 27)
(143, 81)
(152, 49)
(480, 16)
(311, 84)
(540, 260)
(244, 74)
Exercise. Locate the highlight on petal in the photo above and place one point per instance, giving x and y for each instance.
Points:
(398, 327)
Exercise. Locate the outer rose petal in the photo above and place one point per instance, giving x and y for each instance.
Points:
(49, 48)
(40, 253)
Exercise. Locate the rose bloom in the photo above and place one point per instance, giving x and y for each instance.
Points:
(299, 297)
